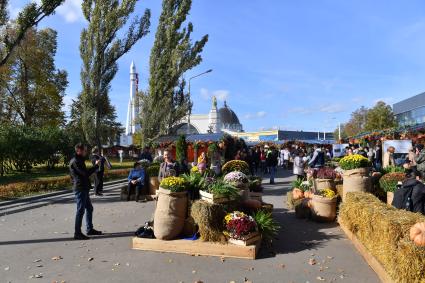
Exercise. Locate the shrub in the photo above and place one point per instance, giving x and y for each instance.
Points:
(20, 189)
(235, 165)
(153, 171)
(389, 181)
(355, 161)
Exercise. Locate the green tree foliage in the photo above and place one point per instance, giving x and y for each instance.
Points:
(380, 117)
(172, 55)
(31, 88)
(29, 17)
(181, 149)
(100, 49)
(22, 147)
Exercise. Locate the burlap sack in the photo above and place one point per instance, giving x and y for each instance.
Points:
(356, 184)
(321, 184)
(356, 172)
(170, 214)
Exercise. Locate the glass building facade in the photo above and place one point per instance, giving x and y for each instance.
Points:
(410, 111)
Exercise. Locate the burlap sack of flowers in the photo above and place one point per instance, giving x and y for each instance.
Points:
(170, 212)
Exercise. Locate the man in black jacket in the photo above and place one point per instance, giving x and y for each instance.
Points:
(411, 196)
(81, 186)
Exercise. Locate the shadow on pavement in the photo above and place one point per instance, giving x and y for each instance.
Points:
(297, 235)
(54, 240)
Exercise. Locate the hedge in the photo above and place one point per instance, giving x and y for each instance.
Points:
(20, 189)
(384, 231)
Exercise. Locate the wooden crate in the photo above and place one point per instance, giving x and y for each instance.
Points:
(197, 247)
(370, 259)
(210, 198)
(248, 240)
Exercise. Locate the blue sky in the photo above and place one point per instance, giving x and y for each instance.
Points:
(298, 65)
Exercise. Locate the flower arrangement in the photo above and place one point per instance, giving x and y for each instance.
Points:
(326, 173)
(236, 178)
(355, 161)
(174, 184)
(144, 163)
(235, 165)
(392, 169)
(238, 225)
(327, 193)
(153, 171)
(389, 181)
(194, 169)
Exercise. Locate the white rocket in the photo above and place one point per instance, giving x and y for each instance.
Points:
(133, 106)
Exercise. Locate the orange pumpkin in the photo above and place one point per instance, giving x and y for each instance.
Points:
(297, 194)
(417, 234)
(308, 194)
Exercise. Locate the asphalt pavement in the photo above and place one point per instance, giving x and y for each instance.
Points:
(36, 245)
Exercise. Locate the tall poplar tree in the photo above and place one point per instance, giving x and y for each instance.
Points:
(172, 55)
(100, 49)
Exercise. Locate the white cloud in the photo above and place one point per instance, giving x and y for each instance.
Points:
(332, 108)
(71, 11)
(220, 94)
(258, 115)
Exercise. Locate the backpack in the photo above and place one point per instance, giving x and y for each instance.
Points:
(403, 198)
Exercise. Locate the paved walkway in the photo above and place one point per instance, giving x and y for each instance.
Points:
(37, 242)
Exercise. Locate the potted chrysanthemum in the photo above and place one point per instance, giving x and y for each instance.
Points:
(171, 209)
(241, 229)
(323, 205)
(356, 174)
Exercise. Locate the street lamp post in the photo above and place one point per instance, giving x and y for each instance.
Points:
(190, 102)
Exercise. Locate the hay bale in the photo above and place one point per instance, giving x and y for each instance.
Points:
(210, 220)
(384, 231)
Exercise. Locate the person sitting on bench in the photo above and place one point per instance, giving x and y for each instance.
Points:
(136, 180)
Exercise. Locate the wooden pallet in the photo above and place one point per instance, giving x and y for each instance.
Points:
(370, 259)
(197, 247)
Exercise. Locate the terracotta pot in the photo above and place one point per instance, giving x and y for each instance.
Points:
(323, 209)
(390, 197)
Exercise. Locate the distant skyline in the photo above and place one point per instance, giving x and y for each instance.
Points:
(293, 65)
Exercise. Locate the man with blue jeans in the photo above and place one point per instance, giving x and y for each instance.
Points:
(272, 162)
(81, 186)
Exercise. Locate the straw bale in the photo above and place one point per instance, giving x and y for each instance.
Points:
(384, 231)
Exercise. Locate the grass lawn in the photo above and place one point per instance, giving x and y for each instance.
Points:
(42, 173)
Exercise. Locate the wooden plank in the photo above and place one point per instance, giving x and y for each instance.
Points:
(370, 259)
(197, 247)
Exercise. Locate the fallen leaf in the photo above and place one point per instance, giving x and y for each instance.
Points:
(37, 260)
(6, 268)
(282, 266)
(312, 261)
(320, 278)
(57, 258)
(90, 259)
(117, 264)
(39, 265)
(193, 271)
(127, 264)
(330, 257)
(222, 259)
